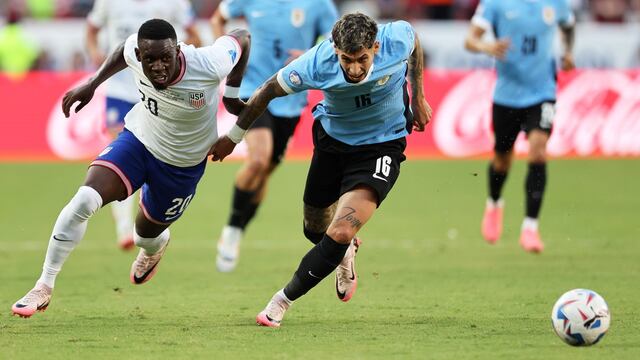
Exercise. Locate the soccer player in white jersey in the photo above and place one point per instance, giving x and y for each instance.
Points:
(162, 149)
(119, 19)
(281, 31)
(359, 140)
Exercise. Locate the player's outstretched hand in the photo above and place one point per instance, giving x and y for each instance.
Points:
(82, 94)
(567, 62)
(233, 105)
(421, 114)
(221, 148)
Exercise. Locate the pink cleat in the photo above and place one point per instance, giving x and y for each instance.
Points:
(126, 243)
(37, 299)
(145, 266)
(346, 277)
(530, 241)
(272, 315)
(492, 221)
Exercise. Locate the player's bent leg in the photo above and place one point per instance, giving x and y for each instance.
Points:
(249, 180)
(101, 186)
(122, 212)
(317, 220)
(153, 239)
(535, 185)
(355, 208)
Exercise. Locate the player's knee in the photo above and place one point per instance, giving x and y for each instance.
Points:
(502, 163)
(258, 166)
(85, 203)
(341, 234)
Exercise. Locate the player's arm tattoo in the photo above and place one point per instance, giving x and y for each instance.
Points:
(258, 102)
(244, 39)
(349, 216)
(416, 66)
(568, 37)
(114, 63)
(318, 219)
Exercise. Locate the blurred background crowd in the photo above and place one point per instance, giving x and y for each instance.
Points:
(16, 49)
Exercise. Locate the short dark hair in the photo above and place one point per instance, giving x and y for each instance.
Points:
(157, 29)
(353, 32)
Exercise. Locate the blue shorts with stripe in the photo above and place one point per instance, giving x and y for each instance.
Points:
(166, 191)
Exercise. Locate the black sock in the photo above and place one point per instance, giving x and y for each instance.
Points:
(239, 206)
(534, 186)
(317, 264)
(496, 181)
(314, 237)
(250, 212)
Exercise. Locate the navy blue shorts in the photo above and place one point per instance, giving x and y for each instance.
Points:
(116, 110)
(167, 190)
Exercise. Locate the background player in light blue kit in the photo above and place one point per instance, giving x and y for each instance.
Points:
(282, 30)
(359, 138)
(524, 97)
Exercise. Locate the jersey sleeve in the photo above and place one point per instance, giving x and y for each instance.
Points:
(300, 74)
(328, 17)
(485, 15)
(222, 56)
(232, 8)
(130, 50)
(403, 38)
(98, 15)
(565, 15)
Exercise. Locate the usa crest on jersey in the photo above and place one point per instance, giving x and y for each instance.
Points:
(197, 100)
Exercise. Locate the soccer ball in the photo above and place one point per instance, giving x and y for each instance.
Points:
(580, 317)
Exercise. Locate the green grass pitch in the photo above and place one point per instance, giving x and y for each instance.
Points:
(429, 286)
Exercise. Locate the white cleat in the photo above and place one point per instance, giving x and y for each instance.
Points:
(37, 299)
(272, 315)
(346, 277)
(145, 266)
(228, 249)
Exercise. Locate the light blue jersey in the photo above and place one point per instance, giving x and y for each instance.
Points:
(372, 111)
(527, 75)
(276, 27)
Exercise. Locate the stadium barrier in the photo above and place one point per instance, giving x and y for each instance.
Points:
(598, 114)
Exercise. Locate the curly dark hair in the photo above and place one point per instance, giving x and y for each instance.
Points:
(353, 32)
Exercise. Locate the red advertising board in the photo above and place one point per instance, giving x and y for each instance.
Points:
(598, 114)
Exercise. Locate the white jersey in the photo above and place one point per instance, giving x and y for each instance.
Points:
(121, 18)
(178, 124)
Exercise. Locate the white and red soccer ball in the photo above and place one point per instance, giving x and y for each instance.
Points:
(580, 317)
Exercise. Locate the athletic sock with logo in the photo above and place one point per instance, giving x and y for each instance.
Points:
(534, 186)
(496, 181)
(68, 231)
(317, 264)
(241, 208)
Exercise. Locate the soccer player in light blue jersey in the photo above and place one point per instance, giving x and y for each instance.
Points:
(282, 30)
(359, 137)
(524, 97)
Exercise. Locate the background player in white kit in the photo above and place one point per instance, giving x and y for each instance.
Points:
(162, 150)
(119, 19)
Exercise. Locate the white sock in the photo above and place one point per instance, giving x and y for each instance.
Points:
(68, 231)
(122, 212)
(151, 245)
(284, 297)
(530, 224)
(491, 204)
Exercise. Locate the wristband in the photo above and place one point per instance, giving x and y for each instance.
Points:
(236, 133)
(231, 92)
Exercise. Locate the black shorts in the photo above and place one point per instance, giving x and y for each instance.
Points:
(282, 128)
(508, 122)
(337, 168)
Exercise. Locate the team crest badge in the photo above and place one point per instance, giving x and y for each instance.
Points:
(549, 15)
(295, 79)
(197, 100)
(383, 80)
(297, 17)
